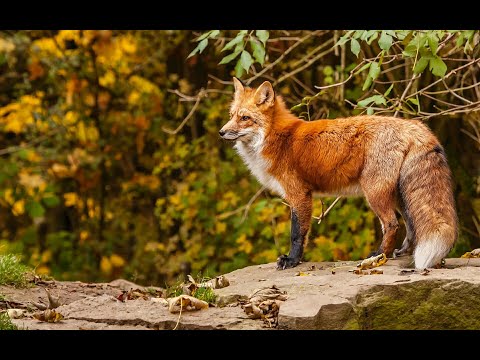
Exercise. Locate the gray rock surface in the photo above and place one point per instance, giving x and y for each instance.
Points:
(400, 298)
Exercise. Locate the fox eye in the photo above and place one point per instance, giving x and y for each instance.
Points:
(245, 118)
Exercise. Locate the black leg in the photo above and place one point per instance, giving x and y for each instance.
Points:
(301, 217)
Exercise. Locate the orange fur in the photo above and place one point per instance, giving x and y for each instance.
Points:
(361, 155)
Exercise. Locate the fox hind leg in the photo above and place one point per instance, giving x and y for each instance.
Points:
(382, 202)
(408, 243)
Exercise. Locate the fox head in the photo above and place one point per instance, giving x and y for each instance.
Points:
(250, 113)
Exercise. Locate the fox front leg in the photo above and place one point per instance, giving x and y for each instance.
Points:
(301, 213)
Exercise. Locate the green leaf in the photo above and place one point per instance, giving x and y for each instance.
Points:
(388, 91)
(364, 67)
(258, 51)
(374, 70)
(377, 99)
(432, 42)
(373, 37)
(327, 70)
(213, 34)
(204, 35)
(34, 209)
(236, 40)
(437, 66)
(355, 47)
(413, 101)
(367, 83)
(246, 60)
(369, 111)
(420, 65)
(239, 71)
(51, 201)
(229, 58)
(262, 35)
(358, 34)
(200, 47)
(385, 41)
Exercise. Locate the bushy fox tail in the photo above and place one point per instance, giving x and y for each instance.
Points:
(425, 186)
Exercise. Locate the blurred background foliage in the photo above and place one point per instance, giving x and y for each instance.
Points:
(111, 164)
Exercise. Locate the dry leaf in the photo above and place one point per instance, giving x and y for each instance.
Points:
(185, 302)
(160, 300)
(48, 315)
(376, 272)
(301, 273)
(472, 254)
(425, 272)
(264, 304)
(373, 261)
(16, 313)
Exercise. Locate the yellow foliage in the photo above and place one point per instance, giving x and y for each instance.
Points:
(46, 256)
(220, 227)
(117, 260)
(71, 199)
(31, 181)
(108, 79)
(105, 265)
(45, 47)
(8, 196)
(243, 244)
(6, 46)
(143, 85)
(42, 270)
(84, 234)
(152, 246)
(18, 207)
(33, 156)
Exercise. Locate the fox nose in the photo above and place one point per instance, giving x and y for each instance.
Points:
(222, 132)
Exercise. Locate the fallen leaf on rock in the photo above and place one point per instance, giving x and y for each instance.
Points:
(218, 282)
(15, 313)
(48, 315)
(373, 261)
(425, 272)
(472, 254)
(264, 304)
(376, 272)
(301, 273)
(134, 294)
(160, 300)
(185, 302)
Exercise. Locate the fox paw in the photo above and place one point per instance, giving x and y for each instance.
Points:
(285, 262)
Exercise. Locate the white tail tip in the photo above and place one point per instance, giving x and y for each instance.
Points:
(430, 252)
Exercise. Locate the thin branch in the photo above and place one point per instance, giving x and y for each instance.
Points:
(280, 58)
(303, 67)
(199, 96)
(32, 143)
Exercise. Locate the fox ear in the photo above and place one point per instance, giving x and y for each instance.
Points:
(265, 94)
(238, 86)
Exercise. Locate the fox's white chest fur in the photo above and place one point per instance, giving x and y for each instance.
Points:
(258, 165)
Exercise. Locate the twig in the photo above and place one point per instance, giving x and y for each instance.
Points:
(280, 58)
(36, 141)
(328, 210)
(303, 67)
(250, 202)
(399, 102)
(182, 124)
(178, 320)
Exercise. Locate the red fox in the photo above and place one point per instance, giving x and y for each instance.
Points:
(395, 163)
